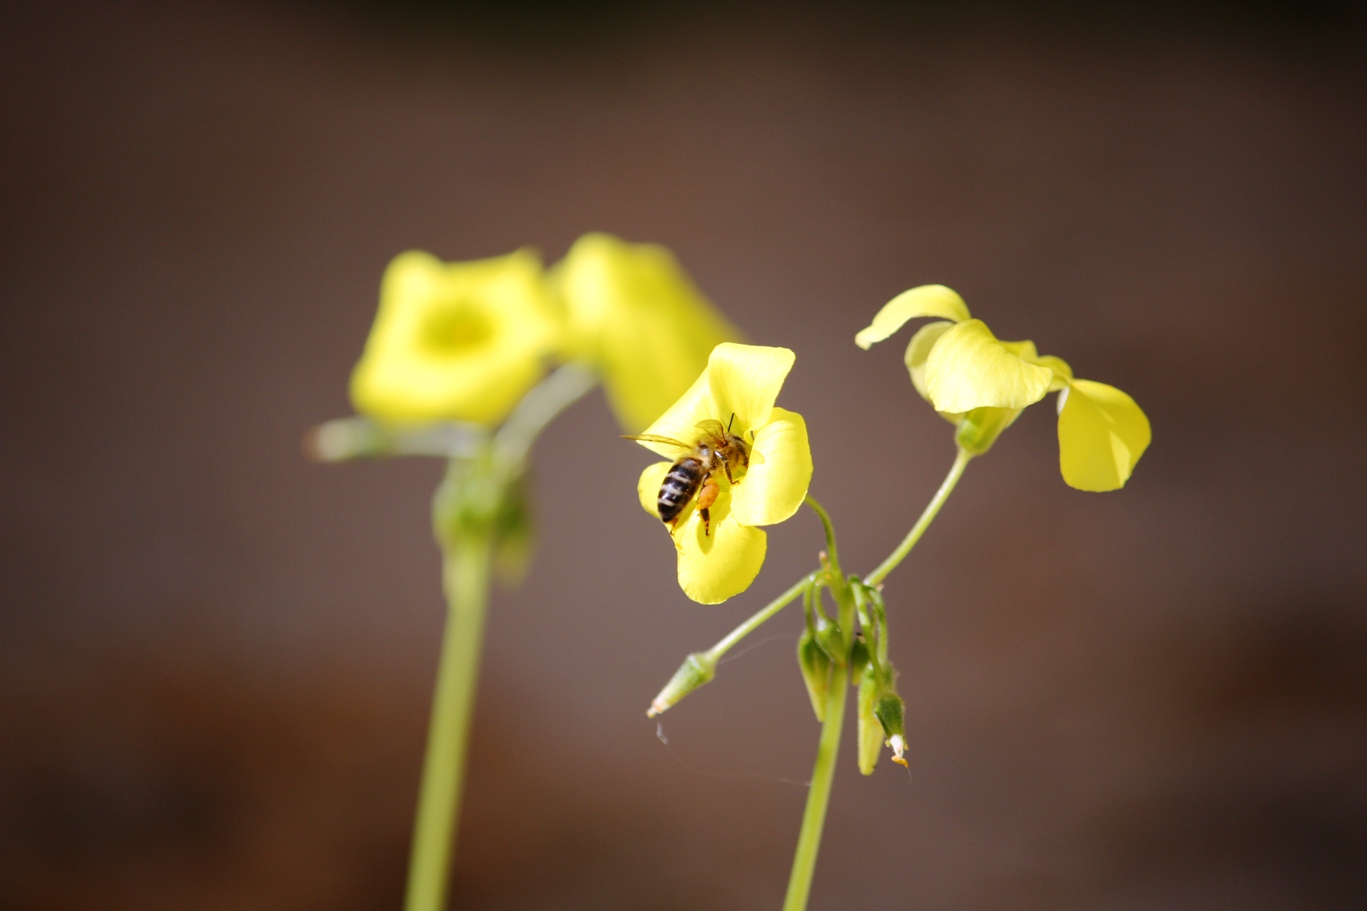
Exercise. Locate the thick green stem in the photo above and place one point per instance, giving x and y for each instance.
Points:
(466, 582)
(828, 748)
(932, 508)
(819, 796)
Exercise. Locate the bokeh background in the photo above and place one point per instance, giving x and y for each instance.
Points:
(216, 657)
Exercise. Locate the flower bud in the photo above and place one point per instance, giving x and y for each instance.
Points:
(816, 672)
(829, 639)
(870, 731)
(514, 533)
(697, 669)
(859, 659)
(889, 711)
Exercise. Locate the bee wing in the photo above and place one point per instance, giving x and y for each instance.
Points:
(656, 438)
(712, 428)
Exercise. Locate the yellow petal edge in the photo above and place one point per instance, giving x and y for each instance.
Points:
(969, 368)
(780, 472)
(717, 566)
(1102, 433)
(926, 300)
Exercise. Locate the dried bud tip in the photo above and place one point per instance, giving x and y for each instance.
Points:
(898, 747)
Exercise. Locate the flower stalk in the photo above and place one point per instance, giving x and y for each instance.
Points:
(828, 747)
(478, 514)
(466, 582)
(927, 516)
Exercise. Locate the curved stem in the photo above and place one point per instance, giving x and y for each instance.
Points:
(538, 408)
(466, 581)
(821, 513)
(763, 614)
(932, 508)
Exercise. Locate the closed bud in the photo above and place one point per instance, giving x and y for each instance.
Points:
(859, 659)
(514, 533)
(697, 669)
(889, 711)
(870, 731)
(816, 672)
(829, 640)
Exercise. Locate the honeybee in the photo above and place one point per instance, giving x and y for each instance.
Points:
(694, 472)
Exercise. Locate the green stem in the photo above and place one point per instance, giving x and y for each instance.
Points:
(820, 511)
(819, 796)
(932, 508)
(763, 614)
(466, 582)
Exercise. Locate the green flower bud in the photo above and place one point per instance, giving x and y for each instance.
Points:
(870, 731)
(889, 711)
(859, 659)
(829, 639)
(514, 533)
(816, 672)
(697, 669)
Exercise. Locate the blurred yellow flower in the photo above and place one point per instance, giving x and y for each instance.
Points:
(981, 384)
(455, 341)
(738, 389)
(635, 317)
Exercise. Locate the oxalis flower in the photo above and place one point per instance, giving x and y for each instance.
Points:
(981, 384)
(735, 395)
(636, 318)
(455, 341)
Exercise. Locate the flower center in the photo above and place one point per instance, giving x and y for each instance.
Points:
(454, 327)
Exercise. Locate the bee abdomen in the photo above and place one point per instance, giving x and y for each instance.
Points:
(679, 485)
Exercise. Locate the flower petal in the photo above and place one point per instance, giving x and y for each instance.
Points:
(1063, 374)
(716, 566)
(780, 471)
(680, 422)
(918, 351)
(969, 368)
(634, 314)
(648, 487)
(454, 341)
(1026, 351)
(926, 300)
(745, 381)
(1101, 435)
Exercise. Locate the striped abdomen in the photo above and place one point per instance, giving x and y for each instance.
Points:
(680, 483)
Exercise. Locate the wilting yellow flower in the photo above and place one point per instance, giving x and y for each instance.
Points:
(738, 389)
(455, 341)
(980, 384)
(633, 314)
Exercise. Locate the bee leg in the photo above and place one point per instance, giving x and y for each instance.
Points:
(707, 495)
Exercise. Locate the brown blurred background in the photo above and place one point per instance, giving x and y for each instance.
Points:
(215, 657)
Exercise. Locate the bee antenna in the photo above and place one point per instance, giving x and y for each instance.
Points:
(730, 422)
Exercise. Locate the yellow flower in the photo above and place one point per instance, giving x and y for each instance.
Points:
(634, 315)
(455, 341)
(981, 384)
(738, 389)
